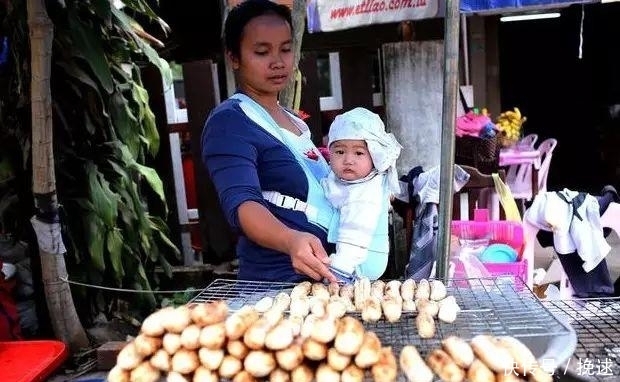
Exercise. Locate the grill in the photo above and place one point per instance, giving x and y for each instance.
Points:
(597, 325)
(489, 306)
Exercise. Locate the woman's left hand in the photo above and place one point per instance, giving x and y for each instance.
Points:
(308, 256)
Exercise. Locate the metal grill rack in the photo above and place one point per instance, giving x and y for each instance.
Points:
(489, 306)
(597, 325)
(238, 293)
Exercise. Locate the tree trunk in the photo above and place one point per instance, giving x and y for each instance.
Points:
(65, 322)
(287, 96)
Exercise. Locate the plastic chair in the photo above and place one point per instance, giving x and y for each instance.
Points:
(478, 192)
(521, 185)
(529, 240)
(526, 142)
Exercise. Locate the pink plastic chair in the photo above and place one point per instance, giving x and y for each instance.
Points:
(521, 185)
(526, 142)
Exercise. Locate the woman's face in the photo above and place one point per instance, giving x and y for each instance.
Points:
(265, 63)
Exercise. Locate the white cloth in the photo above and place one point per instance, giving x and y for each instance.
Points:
(426, 185)
(361, 205)
(570, 233)
(384, 149)
(49, 236)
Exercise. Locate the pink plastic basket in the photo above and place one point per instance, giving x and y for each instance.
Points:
(501, 231)
(516, 270)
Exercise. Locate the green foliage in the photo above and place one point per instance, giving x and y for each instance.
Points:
(179, 299)
(113, 202)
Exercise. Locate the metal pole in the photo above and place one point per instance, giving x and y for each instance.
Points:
(450, 91)
(465, 44)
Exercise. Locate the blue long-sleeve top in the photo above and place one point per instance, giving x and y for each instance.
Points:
(243, 160)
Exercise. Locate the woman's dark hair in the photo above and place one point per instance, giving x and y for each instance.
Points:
(240, 16)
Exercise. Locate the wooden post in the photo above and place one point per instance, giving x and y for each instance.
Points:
(65, 321)
(299, 24)
(448, 119)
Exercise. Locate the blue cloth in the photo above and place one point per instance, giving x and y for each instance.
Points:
(243, 160)
(424, 193)
(423, 243)
(4, 51)
(424, 235)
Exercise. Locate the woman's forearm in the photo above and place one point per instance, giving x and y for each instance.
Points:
(307, 254)
(264, 229)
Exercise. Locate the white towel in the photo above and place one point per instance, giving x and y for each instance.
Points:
(570, 233)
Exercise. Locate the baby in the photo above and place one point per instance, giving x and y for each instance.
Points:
(363, 178)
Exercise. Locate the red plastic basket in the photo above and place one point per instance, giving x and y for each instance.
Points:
(30, 361)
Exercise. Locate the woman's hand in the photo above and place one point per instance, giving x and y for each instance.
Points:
(309, 256)
(306, 250)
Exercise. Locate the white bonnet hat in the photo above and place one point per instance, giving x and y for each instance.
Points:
(363, 124)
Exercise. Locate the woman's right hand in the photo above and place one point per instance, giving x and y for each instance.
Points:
(308, 256)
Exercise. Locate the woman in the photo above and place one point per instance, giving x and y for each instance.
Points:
(260, 157)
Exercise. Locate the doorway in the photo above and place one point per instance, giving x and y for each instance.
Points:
(566, 96)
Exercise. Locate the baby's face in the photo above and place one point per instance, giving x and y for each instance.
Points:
(350, 159)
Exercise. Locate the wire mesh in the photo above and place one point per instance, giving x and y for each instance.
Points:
(488, 306)
(238, 293)
(597, 324)
(500, 306)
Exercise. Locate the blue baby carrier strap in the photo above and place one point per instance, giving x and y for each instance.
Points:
(319, 212)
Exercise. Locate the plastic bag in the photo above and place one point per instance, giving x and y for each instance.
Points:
(472, 266)
(464, 262)
(506, 199)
